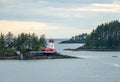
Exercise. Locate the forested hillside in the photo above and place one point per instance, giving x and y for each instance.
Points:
(106, 35)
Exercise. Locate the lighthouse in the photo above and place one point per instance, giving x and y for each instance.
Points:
(50, 48)
(51, 44)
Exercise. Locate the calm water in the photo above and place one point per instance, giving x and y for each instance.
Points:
(96, 67)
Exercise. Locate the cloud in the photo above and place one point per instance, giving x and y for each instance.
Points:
(116, 1)
(40, 8)
(104, 8)
(54, 7)
(73, 16)
(7, 1)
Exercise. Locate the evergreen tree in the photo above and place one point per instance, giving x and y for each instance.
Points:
(2, 42)
(23, 42)
(42, 41)
(9, 40)
(77, 39)
(105, 36)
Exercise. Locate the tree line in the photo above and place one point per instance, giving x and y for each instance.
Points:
(81, 38)
(106, 35)
(23, 42)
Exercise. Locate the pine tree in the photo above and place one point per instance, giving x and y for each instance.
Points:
(105, 36)
(2, 42)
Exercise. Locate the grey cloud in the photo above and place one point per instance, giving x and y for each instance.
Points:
(48, 11)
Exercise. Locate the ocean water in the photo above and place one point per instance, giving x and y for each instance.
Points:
(95, 67)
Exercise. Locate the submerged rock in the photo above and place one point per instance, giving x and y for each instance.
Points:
(114, 56)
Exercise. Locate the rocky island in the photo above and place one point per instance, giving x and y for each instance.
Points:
(34, 56)
(27, 47)
(41, 55)
(106, 37)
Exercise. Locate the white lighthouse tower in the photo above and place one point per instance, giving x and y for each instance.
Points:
(51, 44)
(50, 48)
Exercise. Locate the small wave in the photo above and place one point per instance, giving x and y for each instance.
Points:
(116, 65)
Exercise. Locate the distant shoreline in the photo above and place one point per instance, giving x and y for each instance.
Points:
(71, 43)
(67, 42)
(92, 49)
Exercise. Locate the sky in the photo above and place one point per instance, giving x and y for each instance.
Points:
(56, 18)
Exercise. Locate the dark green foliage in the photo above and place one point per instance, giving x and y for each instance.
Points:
(9, 40)
(7, 52)
(23, 49)
(105, 36)
(42, 41)
(77, 39)
(2, 42)
(23, 42)
(28, 42)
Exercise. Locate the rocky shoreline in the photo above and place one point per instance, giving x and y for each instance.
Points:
(37, 57)
(93, 49)
(70, 42)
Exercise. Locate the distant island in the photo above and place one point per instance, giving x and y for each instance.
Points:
(76, 39)
(106, 37)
